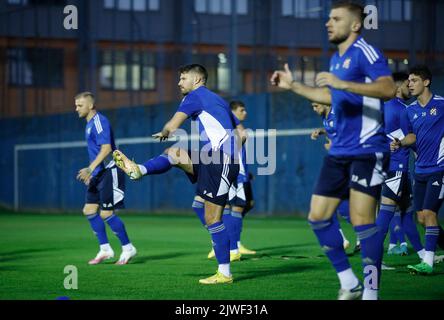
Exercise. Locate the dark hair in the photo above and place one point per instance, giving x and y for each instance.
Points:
(236, 104)
(423, 72)
(355, 8)
(400, 76)
(85, 94)
(197, 68)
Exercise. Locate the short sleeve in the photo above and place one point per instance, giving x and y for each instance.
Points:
(103, 131)
(191, 105)
(373, 62)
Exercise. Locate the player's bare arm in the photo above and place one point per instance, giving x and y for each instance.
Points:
(84, 174)
(382, 88)
(242, 132)
(409, 140)
(284, 80)
(171, 126)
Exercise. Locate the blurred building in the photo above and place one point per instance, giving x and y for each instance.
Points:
(128, 51)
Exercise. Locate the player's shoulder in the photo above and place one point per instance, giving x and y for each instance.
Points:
(367, 51)
(438, 99)
(100, 121)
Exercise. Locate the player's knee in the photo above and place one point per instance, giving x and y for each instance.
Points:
(89, 210)
(421, 218)
(105, 214)
(315, 216)
(430, 218)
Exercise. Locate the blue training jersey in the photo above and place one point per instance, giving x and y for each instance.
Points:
(360, 123)
(393, 110)
(98, 132)
(427, 123)
(216, 121)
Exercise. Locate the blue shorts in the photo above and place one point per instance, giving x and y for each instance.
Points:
(398, 188)
(428, 191)
(241, 195)
(214, 179)
(107, 189)
(363, 173)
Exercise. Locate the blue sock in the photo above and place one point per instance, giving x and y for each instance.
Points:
(431, 238)
(199, 208)
(330, 239)
(98, 227)
(409, 226)
(398, 227)
(393, 234)
(158, 165)
(230, 225)
(344, 210)
(221, 242)
(118, 227)
(371, 250)
(385, 215)
(237, 219)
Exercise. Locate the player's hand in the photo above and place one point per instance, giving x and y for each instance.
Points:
(161, 136)
(282, 78)
(84, 175)
(324, 79)
(315, 134)
(395, 145)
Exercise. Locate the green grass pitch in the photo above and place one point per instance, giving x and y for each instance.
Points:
(172, 257)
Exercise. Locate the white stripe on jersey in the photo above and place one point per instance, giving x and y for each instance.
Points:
(214, 130)
(441, 152)
(370, 51)
(370, 47)
(370, 123)
(366, 52)
(98, 124)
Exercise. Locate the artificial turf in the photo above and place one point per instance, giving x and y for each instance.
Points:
(172, 257)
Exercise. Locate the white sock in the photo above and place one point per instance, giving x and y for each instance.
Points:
(358, 243)
(348, 279)
(404, 244)
(225, 269)
(236, 251)
(428, 257)
(370, 294)
(143, 170)
(421, 254)
(127, 247)
(342, 235)
(391, 246)
(105, 247)
(238, 244)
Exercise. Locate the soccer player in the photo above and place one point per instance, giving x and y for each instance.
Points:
(329, 123)
(240, 197)
(396, 190)
(106, 183)
(217, 167)
(425, 121)
(358, 81)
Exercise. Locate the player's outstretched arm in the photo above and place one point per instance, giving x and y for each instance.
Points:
(171, 126)
(284, 80)
(381, 88)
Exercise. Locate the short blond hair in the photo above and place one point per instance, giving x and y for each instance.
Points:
(85, 94)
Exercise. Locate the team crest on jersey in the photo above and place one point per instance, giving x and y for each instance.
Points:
(346, 64)
(433, 112)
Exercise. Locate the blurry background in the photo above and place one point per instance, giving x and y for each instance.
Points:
(127, 52)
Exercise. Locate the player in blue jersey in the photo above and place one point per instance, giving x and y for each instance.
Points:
(216, 168)
(328, 129)
(425, 121)
(240, 197)
(358, 82)
(396, 191)
(106, 183)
